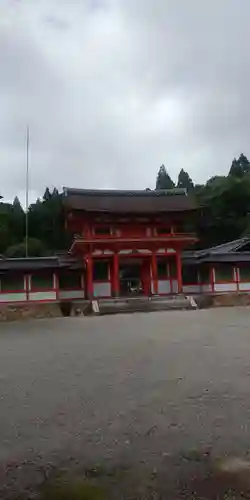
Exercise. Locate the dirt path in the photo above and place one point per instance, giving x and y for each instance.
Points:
(156, 400)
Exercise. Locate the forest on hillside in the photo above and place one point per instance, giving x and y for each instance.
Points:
(224, 213)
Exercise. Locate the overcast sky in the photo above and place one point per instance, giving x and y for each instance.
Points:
(112, 89)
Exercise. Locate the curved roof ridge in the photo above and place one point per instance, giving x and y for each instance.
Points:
(124, 192)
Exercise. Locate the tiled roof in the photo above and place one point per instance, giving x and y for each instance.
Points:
(28, 263)
(230, 246)
(232, 251)
(39, 263)
(124, 201)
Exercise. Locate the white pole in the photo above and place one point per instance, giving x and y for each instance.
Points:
(27, 194)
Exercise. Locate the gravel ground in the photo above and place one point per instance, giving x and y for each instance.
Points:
(163, 396)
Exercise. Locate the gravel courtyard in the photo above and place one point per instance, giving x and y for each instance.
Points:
(163, 395)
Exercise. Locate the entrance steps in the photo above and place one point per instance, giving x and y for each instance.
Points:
(143, 304)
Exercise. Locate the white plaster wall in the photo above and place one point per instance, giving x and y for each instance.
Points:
(164, 286)
(102, 289)
(206, 288)
(225, 287)
(71, 294)
(191, 289)
(244, 286)
(13, 297)
(174, 286)
(48, 295)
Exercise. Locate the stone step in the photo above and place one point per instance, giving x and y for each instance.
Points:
(144, 304)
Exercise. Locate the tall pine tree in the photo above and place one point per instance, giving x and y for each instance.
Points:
(164, 180)
(185, 181)
(244, 163)
(240, 167)
(47, 194)
(17, 205)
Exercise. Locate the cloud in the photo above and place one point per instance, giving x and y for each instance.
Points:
(113, 89)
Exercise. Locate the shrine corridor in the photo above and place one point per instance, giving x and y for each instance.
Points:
(161, 396)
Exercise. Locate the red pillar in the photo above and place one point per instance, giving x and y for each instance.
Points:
(237, 277)
(89, 269)
(179, 273)
(154, 272)
(145, 277)
(56, 285)
(212, 277)
(116, 280)
(27, 285)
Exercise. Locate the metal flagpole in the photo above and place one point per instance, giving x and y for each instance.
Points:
(27, 193)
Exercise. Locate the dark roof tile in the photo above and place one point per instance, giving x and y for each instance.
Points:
(119, 201)
(40, 263)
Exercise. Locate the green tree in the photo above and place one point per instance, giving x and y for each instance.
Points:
(17, 220)
(185, 181)
(35, 246)
(5, 231)
(240, 167)
(235, 169)
(46, 224)
(46, 221)
(225, 205)
(244, 163)
(47, 194)
(55, 193)
(164, 180)
(17, 205)
(12, 224)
